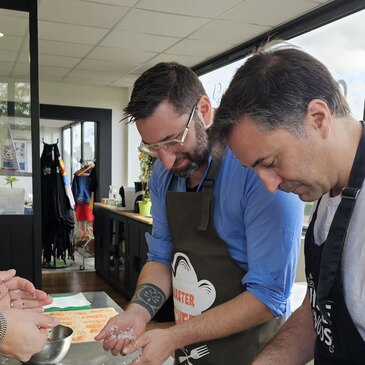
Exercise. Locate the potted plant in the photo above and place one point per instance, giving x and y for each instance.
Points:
(11, 199)
(10, 180)
(146, 162)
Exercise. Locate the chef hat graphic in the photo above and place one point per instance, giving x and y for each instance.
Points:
(185, 279)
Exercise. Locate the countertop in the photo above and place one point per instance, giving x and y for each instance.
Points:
(125, 212)
(91, 353)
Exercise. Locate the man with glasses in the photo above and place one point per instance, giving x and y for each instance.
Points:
(222, 246)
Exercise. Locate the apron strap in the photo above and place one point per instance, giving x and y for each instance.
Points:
(332, 249)
(207, 193)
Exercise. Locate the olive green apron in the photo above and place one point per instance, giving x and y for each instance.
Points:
(204, 276)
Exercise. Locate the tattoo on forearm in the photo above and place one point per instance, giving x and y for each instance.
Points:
(150, 297)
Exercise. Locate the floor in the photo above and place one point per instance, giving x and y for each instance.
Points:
(57, 281)
(87, 263)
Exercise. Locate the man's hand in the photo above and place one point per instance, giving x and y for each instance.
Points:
(26, 333)
(16, 292)
(122, 329)
(157, 346)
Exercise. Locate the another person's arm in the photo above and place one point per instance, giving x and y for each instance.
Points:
(23, 333)
(294, 343)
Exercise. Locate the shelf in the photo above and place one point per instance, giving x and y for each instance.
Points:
(15, 173)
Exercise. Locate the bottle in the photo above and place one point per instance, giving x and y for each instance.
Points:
(111, 195)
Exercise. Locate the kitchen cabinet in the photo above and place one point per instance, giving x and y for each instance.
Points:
(121, 247)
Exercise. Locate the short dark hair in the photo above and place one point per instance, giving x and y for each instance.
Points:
(166, 81)
(274, 87)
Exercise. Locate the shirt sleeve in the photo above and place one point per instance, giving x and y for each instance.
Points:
(273, 225)
(159, 242)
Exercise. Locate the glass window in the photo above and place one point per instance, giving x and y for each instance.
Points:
(76, 146)
(3, 98)
(88, 142)
(66, 150)
(340, 46)
(15, 123)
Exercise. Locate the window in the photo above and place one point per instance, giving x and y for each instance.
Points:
(78, 145)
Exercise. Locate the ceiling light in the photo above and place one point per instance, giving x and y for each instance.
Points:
(1, 34)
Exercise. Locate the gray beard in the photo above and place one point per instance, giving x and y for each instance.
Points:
(187, 171)
(200, 154)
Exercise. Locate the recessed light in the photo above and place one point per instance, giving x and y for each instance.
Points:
(1, 34)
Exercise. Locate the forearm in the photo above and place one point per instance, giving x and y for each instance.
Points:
(157, 274)
(153, 288)
(238, 314)
(294, 343)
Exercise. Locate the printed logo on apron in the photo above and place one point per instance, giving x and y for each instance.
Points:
(191, 297)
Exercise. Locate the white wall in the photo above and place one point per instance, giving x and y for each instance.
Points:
(124, 149)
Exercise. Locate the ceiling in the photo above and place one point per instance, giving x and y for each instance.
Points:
(111, 42)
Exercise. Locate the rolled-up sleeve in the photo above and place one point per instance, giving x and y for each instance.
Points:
(273, 233)
(262, 285)
(158, 250)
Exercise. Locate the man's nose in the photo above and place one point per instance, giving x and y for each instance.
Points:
(270, 179)
(167, 158)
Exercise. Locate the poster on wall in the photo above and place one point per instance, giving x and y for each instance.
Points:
(21, 154)
(8, 154)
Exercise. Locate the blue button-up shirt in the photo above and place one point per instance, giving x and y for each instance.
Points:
(262, 230)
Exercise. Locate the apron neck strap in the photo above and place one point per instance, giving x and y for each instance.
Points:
(211, 175)
(207, 193)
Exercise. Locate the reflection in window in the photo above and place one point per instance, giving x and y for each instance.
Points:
(3, 98)
(76, 146)
(79, 145)
(88, 141)
(22, 99)
(66, 150)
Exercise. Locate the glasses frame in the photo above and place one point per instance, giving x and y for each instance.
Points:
(153, 148)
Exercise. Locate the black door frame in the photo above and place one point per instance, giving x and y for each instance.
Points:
(103, 119)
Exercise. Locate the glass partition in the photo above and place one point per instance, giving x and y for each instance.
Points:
(15, 113)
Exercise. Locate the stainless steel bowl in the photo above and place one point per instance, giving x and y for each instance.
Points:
(56, 348)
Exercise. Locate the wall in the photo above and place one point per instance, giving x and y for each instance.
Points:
(124, 149)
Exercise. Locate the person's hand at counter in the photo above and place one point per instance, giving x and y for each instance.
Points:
(23, 333)
(17, 292)
(157, 345)
(122, 329)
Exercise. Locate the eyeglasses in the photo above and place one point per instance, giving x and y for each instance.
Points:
(153, 148)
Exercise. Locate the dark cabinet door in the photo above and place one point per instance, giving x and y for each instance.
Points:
(121, 249)
(100, 233)
(136, 252)
(16, 246)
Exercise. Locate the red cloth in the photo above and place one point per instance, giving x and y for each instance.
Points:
(83, 212)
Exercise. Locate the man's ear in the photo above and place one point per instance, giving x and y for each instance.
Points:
(320, 117)
(205, 111)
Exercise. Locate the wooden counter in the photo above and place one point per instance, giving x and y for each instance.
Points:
(126, 213)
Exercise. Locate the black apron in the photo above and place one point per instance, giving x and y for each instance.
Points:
(204, 276)
(338, 340)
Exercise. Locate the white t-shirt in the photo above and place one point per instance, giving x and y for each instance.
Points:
(353, 256)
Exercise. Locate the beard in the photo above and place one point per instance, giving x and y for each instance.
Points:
(198, 156)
